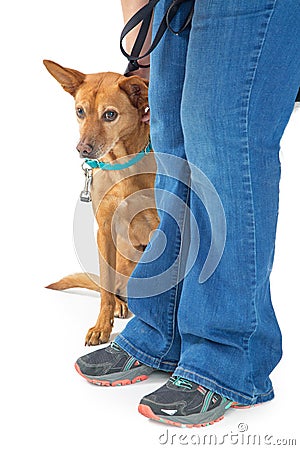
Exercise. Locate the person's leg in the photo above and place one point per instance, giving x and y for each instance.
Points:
(242, 77)
(154, 288)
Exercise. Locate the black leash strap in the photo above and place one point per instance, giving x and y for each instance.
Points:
(144, 17)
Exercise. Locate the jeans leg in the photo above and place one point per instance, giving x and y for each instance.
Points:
(241, 81)
(152, 334)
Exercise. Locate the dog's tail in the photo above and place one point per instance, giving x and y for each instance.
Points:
(77, 280)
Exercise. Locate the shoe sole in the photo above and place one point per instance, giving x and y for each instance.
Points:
(239, 406)
(115, 382)
(146, 411)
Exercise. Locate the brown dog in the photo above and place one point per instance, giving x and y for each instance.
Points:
(111, 111)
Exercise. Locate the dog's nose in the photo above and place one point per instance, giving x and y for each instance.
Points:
(84, 149)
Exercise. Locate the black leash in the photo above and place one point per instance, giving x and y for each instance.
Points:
(144, 16)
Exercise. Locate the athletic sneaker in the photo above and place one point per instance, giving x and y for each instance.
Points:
(183, 403)
(111, 366)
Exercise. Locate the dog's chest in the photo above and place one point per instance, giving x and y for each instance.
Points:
(120, 188)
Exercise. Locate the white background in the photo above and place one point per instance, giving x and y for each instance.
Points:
(44, 403)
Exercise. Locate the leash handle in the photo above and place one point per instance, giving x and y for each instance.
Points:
(144, 16)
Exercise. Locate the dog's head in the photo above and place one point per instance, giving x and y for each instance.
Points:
(109, 107)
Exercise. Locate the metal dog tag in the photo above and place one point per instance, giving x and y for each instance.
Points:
(85, 195)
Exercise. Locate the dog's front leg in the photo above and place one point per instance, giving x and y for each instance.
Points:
(100, 333)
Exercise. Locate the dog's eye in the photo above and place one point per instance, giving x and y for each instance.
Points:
(109, 116)
(80, 112)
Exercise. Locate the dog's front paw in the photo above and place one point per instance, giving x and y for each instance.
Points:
(98, 335)
(121, 309)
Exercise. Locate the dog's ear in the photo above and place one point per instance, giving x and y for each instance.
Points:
(137, 90)
(70, 79)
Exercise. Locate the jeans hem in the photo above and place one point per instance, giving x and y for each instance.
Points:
(156, 363)
(231, 394)
(170, 366)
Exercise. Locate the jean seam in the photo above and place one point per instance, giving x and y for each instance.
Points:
(179, 265)
(254, 323)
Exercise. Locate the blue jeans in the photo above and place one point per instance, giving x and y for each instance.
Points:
(221, 94)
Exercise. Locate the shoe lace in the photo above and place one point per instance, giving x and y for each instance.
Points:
(181, 382)
(115, 346)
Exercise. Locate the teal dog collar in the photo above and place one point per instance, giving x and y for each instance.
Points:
(95, 164)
